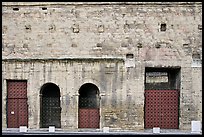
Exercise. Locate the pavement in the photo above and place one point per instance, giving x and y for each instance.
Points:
(16, 131)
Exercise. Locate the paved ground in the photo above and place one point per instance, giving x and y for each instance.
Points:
(15, 131)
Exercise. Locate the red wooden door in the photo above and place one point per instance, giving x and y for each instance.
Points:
(17, 108)
(161, 109)
(89, 118)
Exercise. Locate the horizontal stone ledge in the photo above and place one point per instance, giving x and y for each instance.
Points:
(98, 3)
(64, 59)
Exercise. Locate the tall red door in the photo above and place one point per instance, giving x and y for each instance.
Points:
(161, 109)
(17, 108)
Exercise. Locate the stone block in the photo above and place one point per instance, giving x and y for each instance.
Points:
(195, 127)
(23, 128)
(156, 130)
(51, 128)
(106, 129)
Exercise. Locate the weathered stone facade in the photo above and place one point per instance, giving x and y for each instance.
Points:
(71, 44)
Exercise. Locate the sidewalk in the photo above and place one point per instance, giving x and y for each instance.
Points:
(16, 131)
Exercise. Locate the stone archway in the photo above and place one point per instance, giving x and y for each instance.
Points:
(50, 106)
(89, 106)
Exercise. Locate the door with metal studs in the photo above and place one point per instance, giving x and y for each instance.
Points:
(50, 106)
(162, 98)
(161, 109)
(17, 107)
(88, 106)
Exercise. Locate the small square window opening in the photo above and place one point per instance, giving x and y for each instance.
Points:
(163, 27)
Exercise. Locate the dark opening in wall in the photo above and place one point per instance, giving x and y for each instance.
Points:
(163, 27)
(200, 27)
(52, 27)
(129, 56)
(50, 102)
(99, 45)
(139, 45)
(27, 27)
(162, 78)
(44, 8)
(16, 9)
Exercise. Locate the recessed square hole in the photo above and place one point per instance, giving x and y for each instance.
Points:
(99, 45)
(129, 56)
(44, 8)
(200, 27)
(16, 9)
(163, 27)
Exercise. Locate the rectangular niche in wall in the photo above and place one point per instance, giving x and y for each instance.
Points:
(130, 60)
(163, 27)
(162, 78)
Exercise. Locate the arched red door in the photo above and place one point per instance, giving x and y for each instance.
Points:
(88, 106)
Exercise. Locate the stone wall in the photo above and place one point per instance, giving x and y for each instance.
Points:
(113, 30)
(108, 44)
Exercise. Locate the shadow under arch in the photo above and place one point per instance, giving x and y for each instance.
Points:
(50, 110)
(89, 106)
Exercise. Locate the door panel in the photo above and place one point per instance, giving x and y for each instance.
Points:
(151, 109)
(17, 89)
(161, 109)
(84, 118)
(51, 112)
(94, 118)
(89, 118)
(23, 112)
(12, 113)
(169, 109)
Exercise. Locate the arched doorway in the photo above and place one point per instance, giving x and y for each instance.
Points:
(50, 106)
(89, 106)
